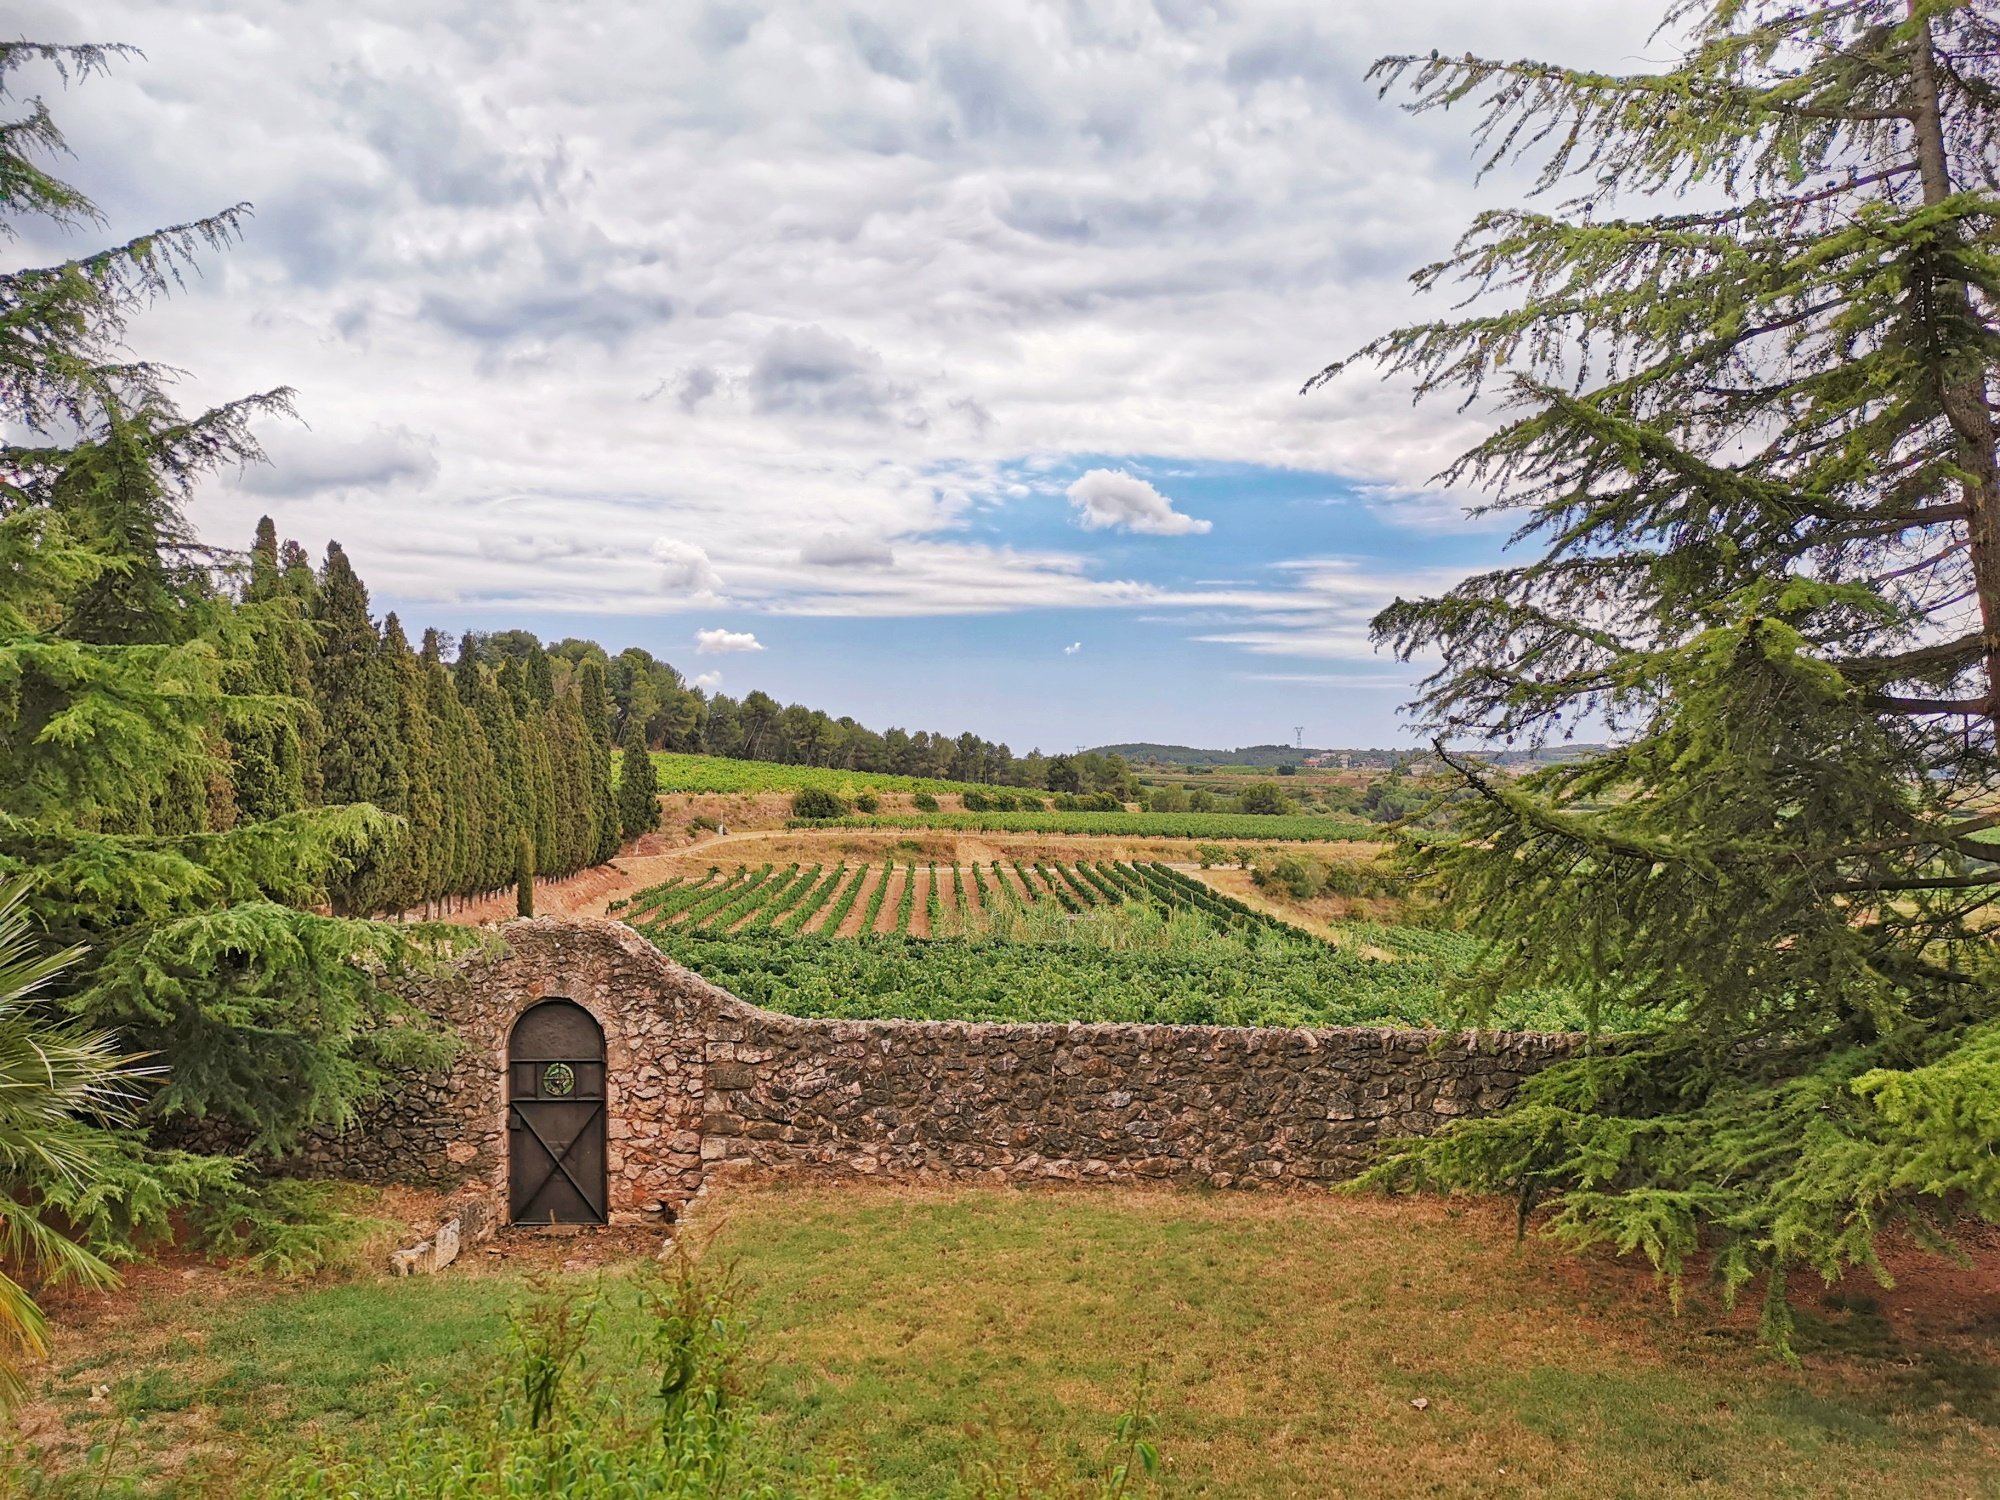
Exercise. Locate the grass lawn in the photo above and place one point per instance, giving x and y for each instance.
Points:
(1285, 1342)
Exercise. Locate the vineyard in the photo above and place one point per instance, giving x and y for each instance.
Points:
(1018, 940)
(715, 773)
(1189, 825)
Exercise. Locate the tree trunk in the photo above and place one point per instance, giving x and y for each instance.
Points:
(1964, 399)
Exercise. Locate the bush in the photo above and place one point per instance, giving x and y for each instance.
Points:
(1088, 802)
(1296, 875)
(1211, 855)
(867, 802)
(925, 802)
(1266, 798)
(815, 802)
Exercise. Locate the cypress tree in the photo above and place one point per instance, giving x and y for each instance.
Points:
(508, 815)
(595, 705)
(524, 877)
(272, 760)
(638, 784)
(455, 866)
(1752, 441)
(417, 876)
(354, 692)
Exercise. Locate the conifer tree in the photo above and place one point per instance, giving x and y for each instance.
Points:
(121, 672)
(457, 778)
(417, 876)
(355, 693)
(638, 783)
(273, 764)
(1750, 443)
(524, 877)
(595, 706)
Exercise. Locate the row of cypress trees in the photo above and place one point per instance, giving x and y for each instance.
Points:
(473, 755)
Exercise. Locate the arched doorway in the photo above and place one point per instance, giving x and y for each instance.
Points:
(555, 1117)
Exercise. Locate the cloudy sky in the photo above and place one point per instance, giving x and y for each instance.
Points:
(934, 363)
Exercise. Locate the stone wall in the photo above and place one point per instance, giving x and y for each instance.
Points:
(1217, 1105)
(701, 1083)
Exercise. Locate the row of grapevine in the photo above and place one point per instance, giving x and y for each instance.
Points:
(787, 901)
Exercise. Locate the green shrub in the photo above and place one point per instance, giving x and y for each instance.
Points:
(1296, 875)
(1088, 802)
(867, 802)
(1211, 855)
(1265, 798)
(816, 802)
(925, 802)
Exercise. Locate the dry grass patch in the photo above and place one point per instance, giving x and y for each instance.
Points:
(1289, 1340)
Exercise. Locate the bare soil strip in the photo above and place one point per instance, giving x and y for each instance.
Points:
(871, 876)
(885, 921)
(849, 874)
(920, 917)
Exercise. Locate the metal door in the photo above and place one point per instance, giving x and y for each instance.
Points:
(555, 1117)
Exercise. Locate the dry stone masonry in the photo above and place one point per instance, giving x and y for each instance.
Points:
(701, 1084)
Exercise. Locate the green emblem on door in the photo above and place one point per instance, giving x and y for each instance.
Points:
(559, 1079)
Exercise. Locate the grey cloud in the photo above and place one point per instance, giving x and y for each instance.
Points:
(320, 227)
(600, 314)
(1294, 51)
(308, 463)
(991, 97)
(415, 125)
(695, 386)
(828, 550)
(810, 372)
(719, 28)
(879, 50)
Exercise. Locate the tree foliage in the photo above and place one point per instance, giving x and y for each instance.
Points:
(1750, 446)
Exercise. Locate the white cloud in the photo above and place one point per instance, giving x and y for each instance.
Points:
(708, 682)
(686, 569)
(720, 642)
(869, 274)
(1113, 499)
(1073, 648)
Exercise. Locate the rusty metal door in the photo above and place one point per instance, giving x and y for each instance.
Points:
(555, 1117)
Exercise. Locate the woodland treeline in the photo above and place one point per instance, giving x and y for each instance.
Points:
(757, 727)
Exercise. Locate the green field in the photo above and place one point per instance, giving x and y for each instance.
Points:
(716, 773)
(1291, 1346)
(1088, 941)
(1145, 825)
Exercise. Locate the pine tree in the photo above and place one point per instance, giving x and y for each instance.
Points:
(1751, 442)
(638, 784)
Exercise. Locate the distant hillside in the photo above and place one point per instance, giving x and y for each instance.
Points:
(1290, 755)
(1249, 755)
